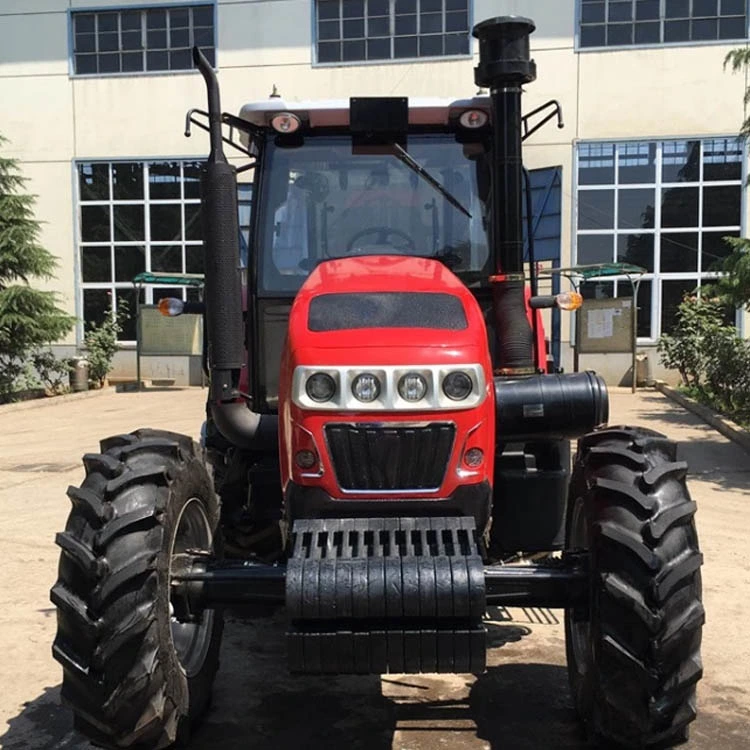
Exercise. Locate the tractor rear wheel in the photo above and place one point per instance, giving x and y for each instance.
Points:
(134, 676)
(634, 652)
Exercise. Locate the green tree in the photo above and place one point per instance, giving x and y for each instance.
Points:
(735, 285)
(29, 318)
(101, 343)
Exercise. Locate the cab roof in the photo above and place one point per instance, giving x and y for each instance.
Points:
(335, 112)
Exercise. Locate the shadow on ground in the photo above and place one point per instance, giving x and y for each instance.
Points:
(525, 707)
(510, 707)
(258, 706)
(513, 707)
(44, 723)
(708, 454)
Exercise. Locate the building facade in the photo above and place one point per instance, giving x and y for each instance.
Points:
(651, 171)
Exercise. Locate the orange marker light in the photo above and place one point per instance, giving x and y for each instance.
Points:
(171, 307)
(569, 300)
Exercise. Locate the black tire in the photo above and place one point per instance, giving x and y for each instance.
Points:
(145, 495)
(634, 653)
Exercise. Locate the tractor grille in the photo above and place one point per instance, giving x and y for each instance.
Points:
(376, 457)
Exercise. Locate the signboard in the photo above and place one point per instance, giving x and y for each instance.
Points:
(606, 326)
(159, 335)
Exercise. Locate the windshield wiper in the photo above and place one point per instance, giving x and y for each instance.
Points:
(415, 166)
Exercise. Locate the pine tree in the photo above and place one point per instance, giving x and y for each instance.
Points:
(29, 318)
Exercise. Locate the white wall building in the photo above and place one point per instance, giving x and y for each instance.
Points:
(94, 95)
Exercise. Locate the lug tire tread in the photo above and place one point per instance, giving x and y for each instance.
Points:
(638, 691)
(119, 667)
(90, 505)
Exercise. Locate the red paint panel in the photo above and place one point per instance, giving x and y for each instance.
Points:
(475, 427)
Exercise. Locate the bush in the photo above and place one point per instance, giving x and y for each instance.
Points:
(687, 348)
(101, 343)
(53, 372)
(712, 359)
(728, 374)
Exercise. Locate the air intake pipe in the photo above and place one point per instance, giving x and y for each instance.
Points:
(223, 288)
(504, 66)
(549, 407)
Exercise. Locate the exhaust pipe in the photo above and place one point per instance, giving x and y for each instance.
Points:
(504, 66)
(223, 287)
(528, 406)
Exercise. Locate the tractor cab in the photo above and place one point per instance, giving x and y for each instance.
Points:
(414, 184)
(328, 194)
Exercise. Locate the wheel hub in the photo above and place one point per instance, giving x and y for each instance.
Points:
(580, 625)
(191, 638)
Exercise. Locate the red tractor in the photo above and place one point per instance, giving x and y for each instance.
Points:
(385, 453)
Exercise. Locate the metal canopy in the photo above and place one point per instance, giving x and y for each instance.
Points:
(598, 270)
(591, 272)
(171, 279)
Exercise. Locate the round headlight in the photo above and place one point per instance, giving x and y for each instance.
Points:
(320, 387)
(366, 387)
(412, 387)
(457, 386)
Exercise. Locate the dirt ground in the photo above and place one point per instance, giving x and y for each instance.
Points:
(521, 703)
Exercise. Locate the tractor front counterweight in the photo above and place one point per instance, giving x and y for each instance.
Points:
(386, 595)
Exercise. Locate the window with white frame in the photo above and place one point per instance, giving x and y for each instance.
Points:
(664, 205)
(370, 30)
(616, 23)
(134, 217)
(140, 40)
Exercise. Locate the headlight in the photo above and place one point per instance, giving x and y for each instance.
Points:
(457, 386)
(320, 387)
(412, 387)
(366, 387)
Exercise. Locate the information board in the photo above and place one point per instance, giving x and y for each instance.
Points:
(606, 326)
(160, 335)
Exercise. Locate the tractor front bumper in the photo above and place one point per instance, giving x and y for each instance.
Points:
(313, 502)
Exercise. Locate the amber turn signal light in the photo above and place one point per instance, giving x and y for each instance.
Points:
(564, 301)
(171, 307)
(569, 300)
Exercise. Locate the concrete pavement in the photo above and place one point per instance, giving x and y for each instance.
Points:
(521, 702)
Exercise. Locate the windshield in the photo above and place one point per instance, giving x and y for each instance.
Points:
(327, 199)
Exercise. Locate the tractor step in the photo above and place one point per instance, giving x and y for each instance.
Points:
(376, 595)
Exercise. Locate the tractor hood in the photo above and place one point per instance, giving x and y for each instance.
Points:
(389, 323)
(386, 302)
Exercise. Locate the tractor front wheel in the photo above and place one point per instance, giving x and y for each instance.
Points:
(634, 651)
(133, 674)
